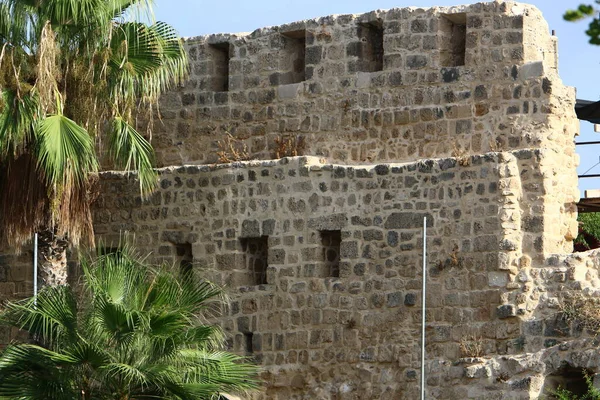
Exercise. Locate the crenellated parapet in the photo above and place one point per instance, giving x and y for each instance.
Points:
(386, 86)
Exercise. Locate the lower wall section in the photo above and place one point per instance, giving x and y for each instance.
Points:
(323, 263)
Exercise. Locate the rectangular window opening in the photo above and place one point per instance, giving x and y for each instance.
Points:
(331, 242)
(249, 337)
(293, 58)
(256, 252)
(220, 54)
(185, 257)
(453, 37)
(370, 52)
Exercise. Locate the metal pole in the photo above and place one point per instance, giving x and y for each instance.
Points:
(35, 264)
(586, 143)
(423, 308)
(589, 176)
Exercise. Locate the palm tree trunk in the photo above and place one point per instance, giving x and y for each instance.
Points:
(52, 259)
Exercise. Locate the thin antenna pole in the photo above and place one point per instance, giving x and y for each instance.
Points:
(423, 308)
(35, 264)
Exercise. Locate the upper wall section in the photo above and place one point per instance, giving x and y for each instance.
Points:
(386, 86)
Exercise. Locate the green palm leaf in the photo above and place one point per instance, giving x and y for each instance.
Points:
(103, 65)
(17, 119)
(137, 9)
(120, 342)
(72, 12)
(136, 48)
(51, 315)
(174, 66)
(13, 22)
(131, 151)
(65, 151)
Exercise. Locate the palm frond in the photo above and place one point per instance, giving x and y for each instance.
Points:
(116, 320)
(65, 151)
(18, 117)
(127, 10)
(126, 373)
(136, 48)
(102, 64)
(131, 151)
(86, 353)
(125, 337)
(52, 315)
(205, 337)
(14, 19)
(72, 12)
(174, 68)
(33, 372)
(22, 356)
(118, 277)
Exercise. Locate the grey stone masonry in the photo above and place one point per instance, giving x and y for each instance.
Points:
(386, 86)
(302, 317)
(455, 114)
(297, 165)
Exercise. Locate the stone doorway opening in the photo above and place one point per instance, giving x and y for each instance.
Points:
(567, 377)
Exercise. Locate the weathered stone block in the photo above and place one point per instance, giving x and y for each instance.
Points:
(416, 62)
(410, 299)
(328, 222)
(250, 229)
(450, 74)
(408, 220)
(394, 299)
(506, 311)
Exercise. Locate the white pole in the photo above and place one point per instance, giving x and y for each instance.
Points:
(35, 264)
(423, 308)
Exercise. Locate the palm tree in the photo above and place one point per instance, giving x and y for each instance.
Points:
(75, 76)
(137, 333)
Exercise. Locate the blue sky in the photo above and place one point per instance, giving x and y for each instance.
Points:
(579, 62)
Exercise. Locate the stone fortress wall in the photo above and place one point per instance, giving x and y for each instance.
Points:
(455, 114)
(387, 86)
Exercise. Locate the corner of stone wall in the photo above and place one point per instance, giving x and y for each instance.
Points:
(538, 42)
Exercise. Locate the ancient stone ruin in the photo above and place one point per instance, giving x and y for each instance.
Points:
(299, 162)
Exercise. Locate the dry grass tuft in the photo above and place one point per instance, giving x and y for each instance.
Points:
(584, 311)
(471, 346)
(232, 150)
(289, 146)
(461, 155)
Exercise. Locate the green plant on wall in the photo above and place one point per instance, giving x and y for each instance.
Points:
(589, 232)
(136, 332)
(591, 394)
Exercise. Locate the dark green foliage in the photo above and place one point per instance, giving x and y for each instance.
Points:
(75, 74)
(585, 11)
(589, 232)
(136, 332)
(591, 394)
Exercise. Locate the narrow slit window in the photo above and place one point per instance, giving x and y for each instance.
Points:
(256, 252)
(331, 242)
(293, 58)
(453, 36)
(370, 48)
(185, 257)
(249, 338)
(220, 60)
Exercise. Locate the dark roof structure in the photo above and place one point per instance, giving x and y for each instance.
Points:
(587, 110)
